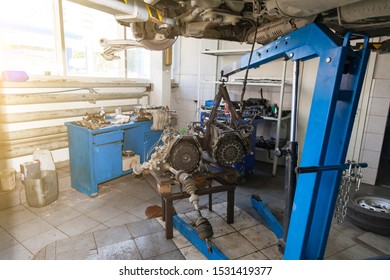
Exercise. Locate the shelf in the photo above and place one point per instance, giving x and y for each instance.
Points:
(241, 83)
(260, 117)
(226, 52)
(275, 119)
(72, 84)
(263, 149)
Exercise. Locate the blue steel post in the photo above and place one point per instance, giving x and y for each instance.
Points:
(334, 105)
(345, 105)
(315, 148)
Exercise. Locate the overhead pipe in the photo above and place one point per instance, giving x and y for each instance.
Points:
(131, 11)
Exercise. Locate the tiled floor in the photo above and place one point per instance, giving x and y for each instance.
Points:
(113, 225)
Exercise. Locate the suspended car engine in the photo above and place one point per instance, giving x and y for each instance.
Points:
(226, 145)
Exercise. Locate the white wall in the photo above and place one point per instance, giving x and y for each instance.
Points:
(308, 74)
(378, 109)
(160, 77)
(194, 68)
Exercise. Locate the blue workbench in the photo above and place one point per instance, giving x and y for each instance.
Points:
(96, 155)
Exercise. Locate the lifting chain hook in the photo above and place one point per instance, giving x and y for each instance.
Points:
(352, 175)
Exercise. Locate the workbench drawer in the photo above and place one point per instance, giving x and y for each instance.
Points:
(109, 137)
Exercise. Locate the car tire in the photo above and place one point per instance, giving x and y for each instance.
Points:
(370, 212)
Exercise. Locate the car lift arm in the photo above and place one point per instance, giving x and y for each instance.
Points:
(336, 95)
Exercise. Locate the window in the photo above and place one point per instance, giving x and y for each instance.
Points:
(83, 28)
(138, 63)
(138, 60)
(27, 39)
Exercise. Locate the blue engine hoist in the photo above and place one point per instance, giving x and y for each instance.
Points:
(310, 197)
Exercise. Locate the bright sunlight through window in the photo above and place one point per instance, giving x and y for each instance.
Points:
(30, 41)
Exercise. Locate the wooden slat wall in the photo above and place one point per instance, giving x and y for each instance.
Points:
(19, 99)
(31, 133)
(57, 114)
(34, 125)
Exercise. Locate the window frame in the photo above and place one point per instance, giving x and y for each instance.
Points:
(60, 54)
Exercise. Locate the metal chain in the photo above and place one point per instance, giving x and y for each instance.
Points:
(343, 197)
(339, 202)
(352, 175)
(359, 176)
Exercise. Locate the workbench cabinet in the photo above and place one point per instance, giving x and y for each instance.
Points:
(96, 155)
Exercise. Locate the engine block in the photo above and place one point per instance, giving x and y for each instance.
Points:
(226, 145)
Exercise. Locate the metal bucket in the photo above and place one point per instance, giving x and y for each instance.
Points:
(41, 190)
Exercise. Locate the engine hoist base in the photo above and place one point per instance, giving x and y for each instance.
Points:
(270, 219)
(192, 236)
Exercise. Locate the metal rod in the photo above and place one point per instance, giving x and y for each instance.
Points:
(198, 92)
(311, 169)
(107, 6)
(60, 40)
(169, 218)
(230, 206)
(290, 185)
(291, 158)
(174, 171)
(294, 102)
(280, 111)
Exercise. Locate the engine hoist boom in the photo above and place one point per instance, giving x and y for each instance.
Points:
(335, 99)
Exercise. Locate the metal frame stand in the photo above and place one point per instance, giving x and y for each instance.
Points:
(335, 99)
(168, 210)
(172, 220)
(205, 187)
